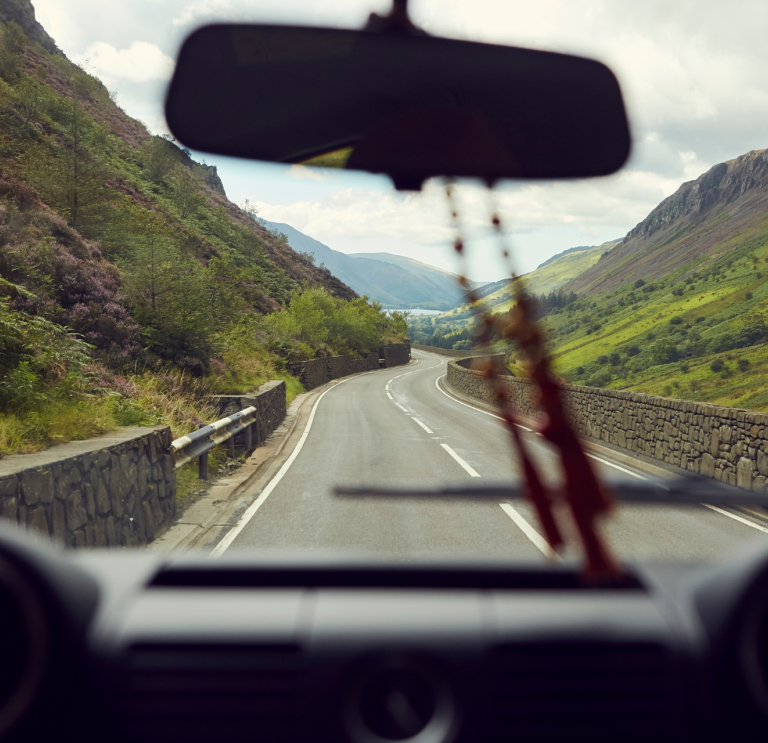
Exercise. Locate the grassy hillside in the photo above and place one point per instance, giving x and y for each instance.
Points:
(699, 329)
(452, 327)
(130, 286)
(702, 221)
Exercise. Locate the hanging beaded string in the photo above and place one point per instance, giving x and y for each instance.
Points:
(582, 491)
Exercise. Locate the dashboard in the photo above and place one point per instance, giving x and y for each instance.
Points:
(133, 646)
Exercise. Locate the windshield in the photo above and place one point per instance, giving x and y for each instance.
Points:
(199, 353)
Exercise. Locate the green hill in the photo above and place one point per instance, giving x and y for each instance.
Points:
(680, 307)
(131, 288)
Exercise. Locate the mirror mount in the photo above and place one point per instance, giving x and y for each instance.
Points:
(397, 23)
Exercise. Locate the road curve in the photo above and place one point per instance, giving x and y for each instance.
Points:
(397, 427)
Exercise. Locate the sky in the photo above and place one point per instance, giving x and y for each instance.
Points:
(694, 74)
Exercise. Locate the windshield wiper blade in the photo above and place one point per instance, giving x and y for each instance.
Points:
(690, 490)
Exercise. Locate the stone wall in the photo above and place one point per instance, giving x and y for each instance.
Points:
(116, 490)
(728, 444)
(396, 354)
(450, 352)
(316, 372)
(269, 401)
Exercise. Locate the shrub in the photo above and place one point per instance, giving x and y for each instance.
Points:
(678, 291)
(716, 365)
(699, 320)
(695, 385)
(684, 368)
(633, 350)
(743, 364)
(664, 352)
(614, 359)
(748, 295)
(676, 321)
(602, 359)
(639, 283)
(579, 370)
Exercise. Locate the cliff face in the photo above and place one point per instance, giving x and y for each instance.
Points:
(23, 13)
(704, 218)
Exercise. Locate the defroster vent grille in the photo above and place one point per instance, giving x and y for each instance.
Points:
(583, 692)
(196, 693)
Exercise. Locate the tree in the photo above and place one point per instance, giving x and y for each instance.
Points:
(185, 192)
(159, 158)
(31, 100)
(73, 180)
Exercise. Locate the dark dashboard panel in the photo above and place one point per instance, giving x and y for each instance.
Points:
(330, 650)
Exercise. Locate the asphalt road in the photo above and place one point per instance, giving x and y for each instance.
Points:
(396, 427)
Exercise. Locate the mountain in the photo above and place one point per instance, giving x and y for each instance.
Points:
(702, 221)
(549, 276)
(395, 281)
(116, 234)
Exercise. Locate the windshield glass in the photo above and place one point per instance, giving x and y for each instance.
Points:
(204, 353)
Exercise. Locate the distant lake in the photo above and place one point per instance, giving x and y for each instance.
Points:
(420, 312)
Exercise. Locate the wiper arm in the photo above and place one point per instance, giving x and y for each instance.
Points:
(691, 490)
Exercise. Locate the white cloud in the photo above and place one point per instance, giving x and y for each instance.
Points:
(423, 218)
(140, 62)
(205, 9)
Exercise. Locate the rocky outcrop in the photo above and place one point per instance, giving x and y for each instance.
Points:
(699, 222)
(23, 13)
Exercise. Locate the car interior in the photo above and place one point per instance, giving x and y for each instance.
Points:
(136, 646)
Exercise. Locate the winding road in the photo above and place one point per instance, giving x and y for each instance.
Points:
(400, 427)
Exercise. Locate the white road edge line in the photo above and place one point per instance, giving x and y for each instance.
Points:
(616, 466)
(736, 518)
(405, 410)
(472, 473)
(390, 396)
(232, 534)
(530, 532)
(604, 461)
(592, 456)
(428, 430)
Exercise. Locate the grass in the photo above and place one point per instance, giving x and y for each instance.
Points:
(55, 424)
(618, 339)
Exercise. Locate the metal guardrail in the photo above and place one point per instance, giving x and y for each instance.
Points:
(197, 444)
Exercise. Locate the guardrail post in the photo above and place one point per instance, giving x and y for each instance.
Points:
(249, 438)
(202, 467)
(231, 446)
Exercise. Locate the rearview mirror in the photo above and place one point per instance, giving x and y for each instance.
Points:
(412, 107)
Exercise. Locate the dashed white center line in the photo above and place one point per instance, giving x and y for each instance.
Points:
(390, 396)
(422, 425)
(405, 410)
(472, 472)
(530, 532)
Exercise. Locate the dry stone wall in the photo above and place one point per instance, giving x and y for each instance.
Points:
(728, 444)
(117, 490)
(316, 372)
(450, 352)
(270, 404)
(396, 354)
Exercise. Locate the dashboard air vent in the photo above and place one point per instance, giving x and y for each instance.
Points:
(207, 693)
(604, 692)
